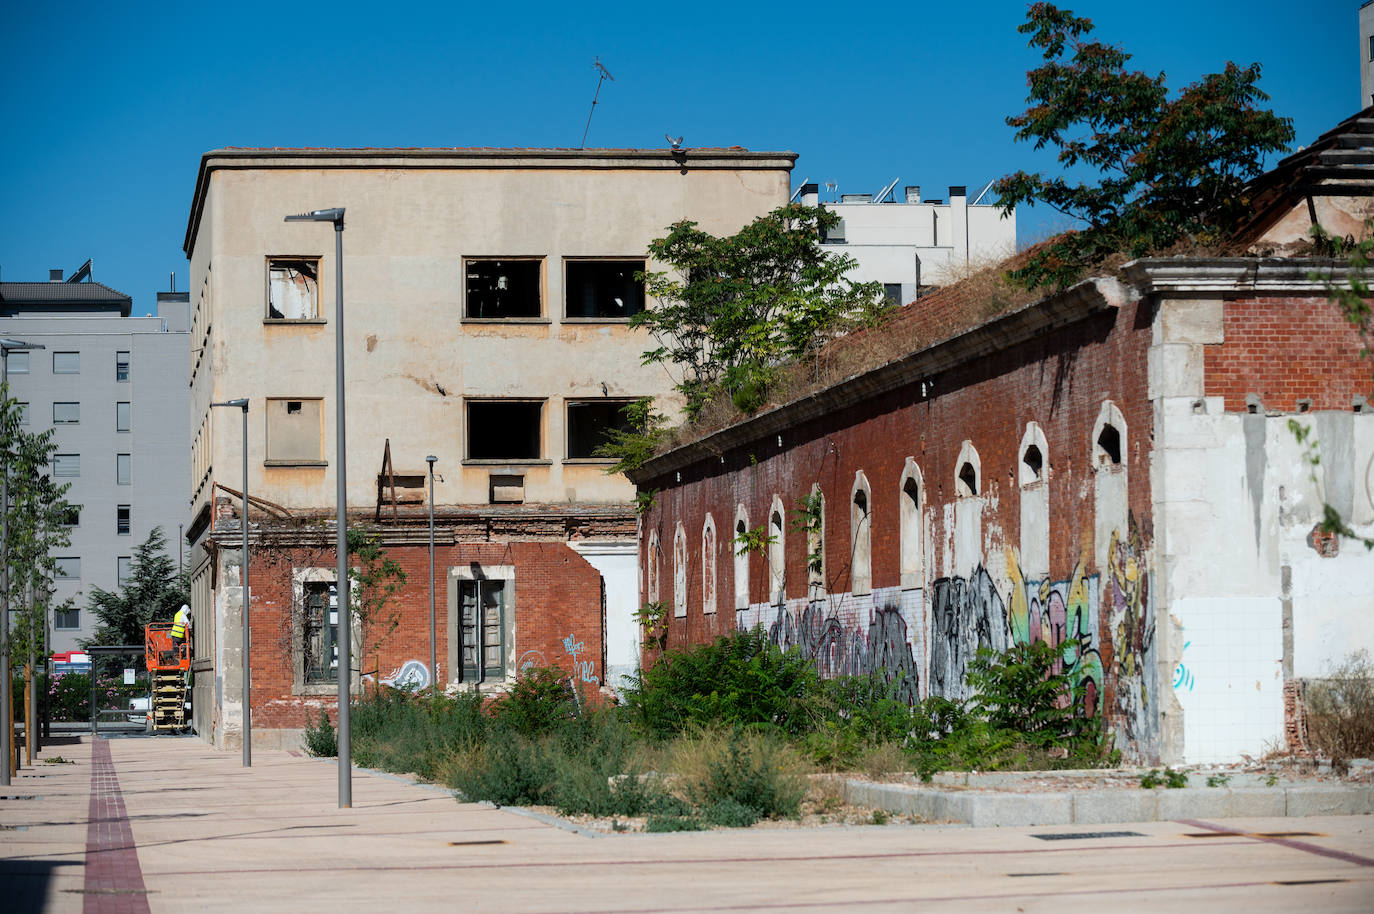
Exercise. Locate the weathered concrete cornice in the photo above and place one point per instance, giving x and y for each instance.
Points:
(710, 158)
(1234, 275)
(1056, 311)
(475, 524)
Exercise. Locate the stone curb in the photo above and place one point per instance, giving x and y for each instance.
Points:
(1099, 807)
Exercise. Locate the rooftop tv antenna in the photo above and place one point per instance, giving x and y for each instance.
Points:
(833, 187)
(604, 75)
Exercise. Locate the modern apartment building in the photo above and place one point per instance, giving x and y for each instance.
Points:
(912, 244)
(114, 388)
(487, 294)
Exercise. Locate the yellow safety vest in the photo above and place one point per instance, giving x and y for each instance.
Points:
(179, 625)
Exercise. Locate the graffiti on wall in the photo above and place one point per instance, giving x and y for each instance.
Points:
(413, 675)
(966, 614)
(1126, 599)
(583, 670)
(846, 636)
(1062, 614)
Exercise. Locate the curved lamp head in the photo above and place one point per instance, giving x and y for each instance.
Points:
(335, 215)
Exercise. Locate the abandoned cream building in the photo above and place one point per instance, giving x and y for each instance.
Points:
(487, 294)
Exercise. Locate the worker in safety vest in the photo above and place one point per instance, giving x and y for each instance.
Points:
(181, 624)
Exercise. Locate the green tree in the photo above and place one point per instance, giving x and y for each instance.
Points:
(1169, 168)
(374, 582)
(152, 593)
(34, 518)
(735, 309)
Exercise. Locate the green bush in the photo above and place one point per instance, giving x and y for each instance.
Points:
(414, 732)
(666, 823)
(321, 740)
(730, 813)
(540, 701)
(758, 771)
(1018, 691)
(741, 679)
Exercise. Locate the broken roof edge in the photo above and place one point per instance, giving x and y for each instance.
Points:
(1049, 313)
(480, 157)
(1233, 275)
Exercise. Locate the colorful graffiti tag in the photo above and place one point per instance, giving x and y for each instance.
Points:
(1126, 597)
(583, 670)
(966, 614)
(1062, 614)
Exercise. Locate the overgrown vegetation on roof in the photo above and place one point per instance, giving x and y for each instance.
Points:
(1169, 169)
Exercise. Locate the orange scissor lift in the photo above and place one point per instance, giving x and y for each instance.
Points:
(167, 668)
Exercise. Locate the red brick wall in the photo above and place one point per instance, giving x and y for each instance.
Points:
(557, 595)
(1284, 350)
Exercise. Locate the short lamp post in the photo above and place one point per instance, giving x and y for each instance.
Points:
(336, 216)
(433, 636)
(6, 684)
(242, 404)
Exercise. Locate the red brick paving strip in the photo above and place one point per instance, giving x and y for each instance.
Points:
(114, 880)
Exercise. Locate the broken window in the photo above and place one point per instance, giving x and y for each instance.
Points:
(590, 423)
(741, 560)
(504, 429)
(320, 630)
(860, 525)
(911, 546)
(968, 480)
(503, 289)
(293, 288)
(294, 431)
(1033, 463)
(66, 413)
(482, 607)
(604, 289)
(1109, 446)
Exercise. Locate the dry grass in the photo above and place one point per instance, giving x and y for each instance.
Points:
(1340, 710)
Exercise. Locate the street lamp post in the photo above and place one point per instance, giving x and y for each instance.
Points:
(6, 684)
(247, 596)
(336, 216)
(433, 637)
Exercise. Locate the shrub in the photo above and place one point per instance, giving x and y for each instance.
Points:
(741, 679)
(665, 823)
(1018, 690)
(1340, 709)
(729, 813)
(541, 700)
(756, 770)
(409, 732)
(321, 740)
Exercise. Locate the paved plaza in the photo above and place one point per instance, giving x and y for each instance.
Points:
(170, 824)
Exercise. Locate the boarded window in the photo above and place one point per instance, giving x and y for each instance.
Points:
(504, 429)
(123, 417)
(66, 413)
(482, 606)
(123, 523)
(590, 423)
(68, 566)
(123, 469)
(604, 289)
(680, 572)
(293, 289)
(66, 363)
(861, 530)
(503, 289)
(121, 366)
(66, 464)
(294, 431)
(320, 631)
(912, 546)
(708, 566)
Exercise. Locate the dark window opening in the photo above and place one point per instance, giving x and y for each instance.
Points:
(71, 516)
(1034, 461)
(293, 407)
(121, 366)
(892, 291)
(503, 288)
(591, 422)
(292, 289)
(1110, 443)
(969, 477)
(604, 288)
(122, 522)
(482, 632)
(320, 631)
(67, 618)
(503, 430)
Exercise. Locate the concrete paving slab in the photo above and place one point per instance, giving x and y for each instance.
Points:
(1327, 801)
(1094, 807)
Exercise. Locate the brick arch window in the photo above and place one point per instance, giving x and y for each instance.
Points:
(1032, 476)
(969, 477)
(815, 544)
(651, 568)
(777, 554)
(861, 535)
(741, 559)
(1034, 451)
(1109, 437)
(679, 571)
(913, 540)
(708, 565)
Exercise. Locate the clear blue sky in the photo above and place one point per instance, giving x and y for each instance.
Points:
(106, 108)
